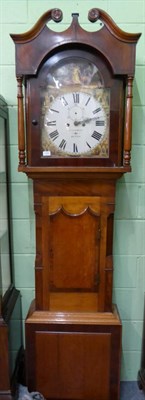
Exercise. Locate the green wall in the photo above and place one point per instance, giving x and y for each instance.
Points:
(17, 16)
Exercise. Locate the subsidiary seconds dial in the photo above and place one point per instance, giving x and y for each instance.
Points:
(75, 123)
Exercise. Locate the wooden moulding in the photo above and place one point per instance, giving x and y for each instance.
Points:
(40, 36)
(21, 129)
(96, 13)
(54, 14)
(128, 123)
(83, 173)
(86, 318)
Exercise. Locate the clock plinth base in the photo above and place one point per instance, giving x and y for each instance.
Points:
(72, 355)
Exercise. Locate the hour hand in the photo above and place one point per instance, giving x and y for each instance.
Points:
(84, 121)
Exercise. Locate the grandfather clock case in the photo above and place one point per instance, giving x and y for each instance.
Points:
(74, 144)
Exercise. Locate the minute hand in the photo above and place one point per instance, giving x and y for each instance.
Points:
(86, 120)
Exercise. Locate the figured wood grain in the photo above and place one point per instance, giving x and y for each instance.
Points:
(74, 255)
(82, 302)
(84, 359)
(73, 351)
(73, 205)
(71, 241)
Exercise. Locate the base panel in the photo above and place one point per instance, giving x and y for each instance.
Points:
(72, 356)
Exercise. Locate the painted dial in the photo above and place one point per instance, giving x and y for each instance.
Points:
(75, 123)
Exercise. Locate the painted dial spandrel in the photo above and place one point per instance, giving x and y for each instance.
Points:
(75, 111)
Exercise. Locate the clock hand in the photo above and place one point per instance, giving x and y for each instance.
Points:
(76, 123)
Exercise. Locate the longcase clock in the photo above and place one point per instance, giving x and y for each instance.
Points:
(75, 144)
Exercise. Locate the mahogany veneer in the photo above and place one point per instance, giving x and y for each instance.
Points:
(74, 355)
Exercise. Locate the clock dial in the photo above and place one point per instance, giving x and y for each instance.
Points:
(75, 123)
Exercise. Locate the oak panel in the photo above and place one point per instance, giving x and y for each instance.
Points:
(72, 370)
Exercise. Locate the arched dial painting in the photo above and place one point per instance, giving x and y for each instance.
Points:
(77, 116)
(75, 110)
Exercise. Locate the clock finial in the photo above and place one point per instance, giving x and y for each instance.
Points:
(93, 15)
(56, 15)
